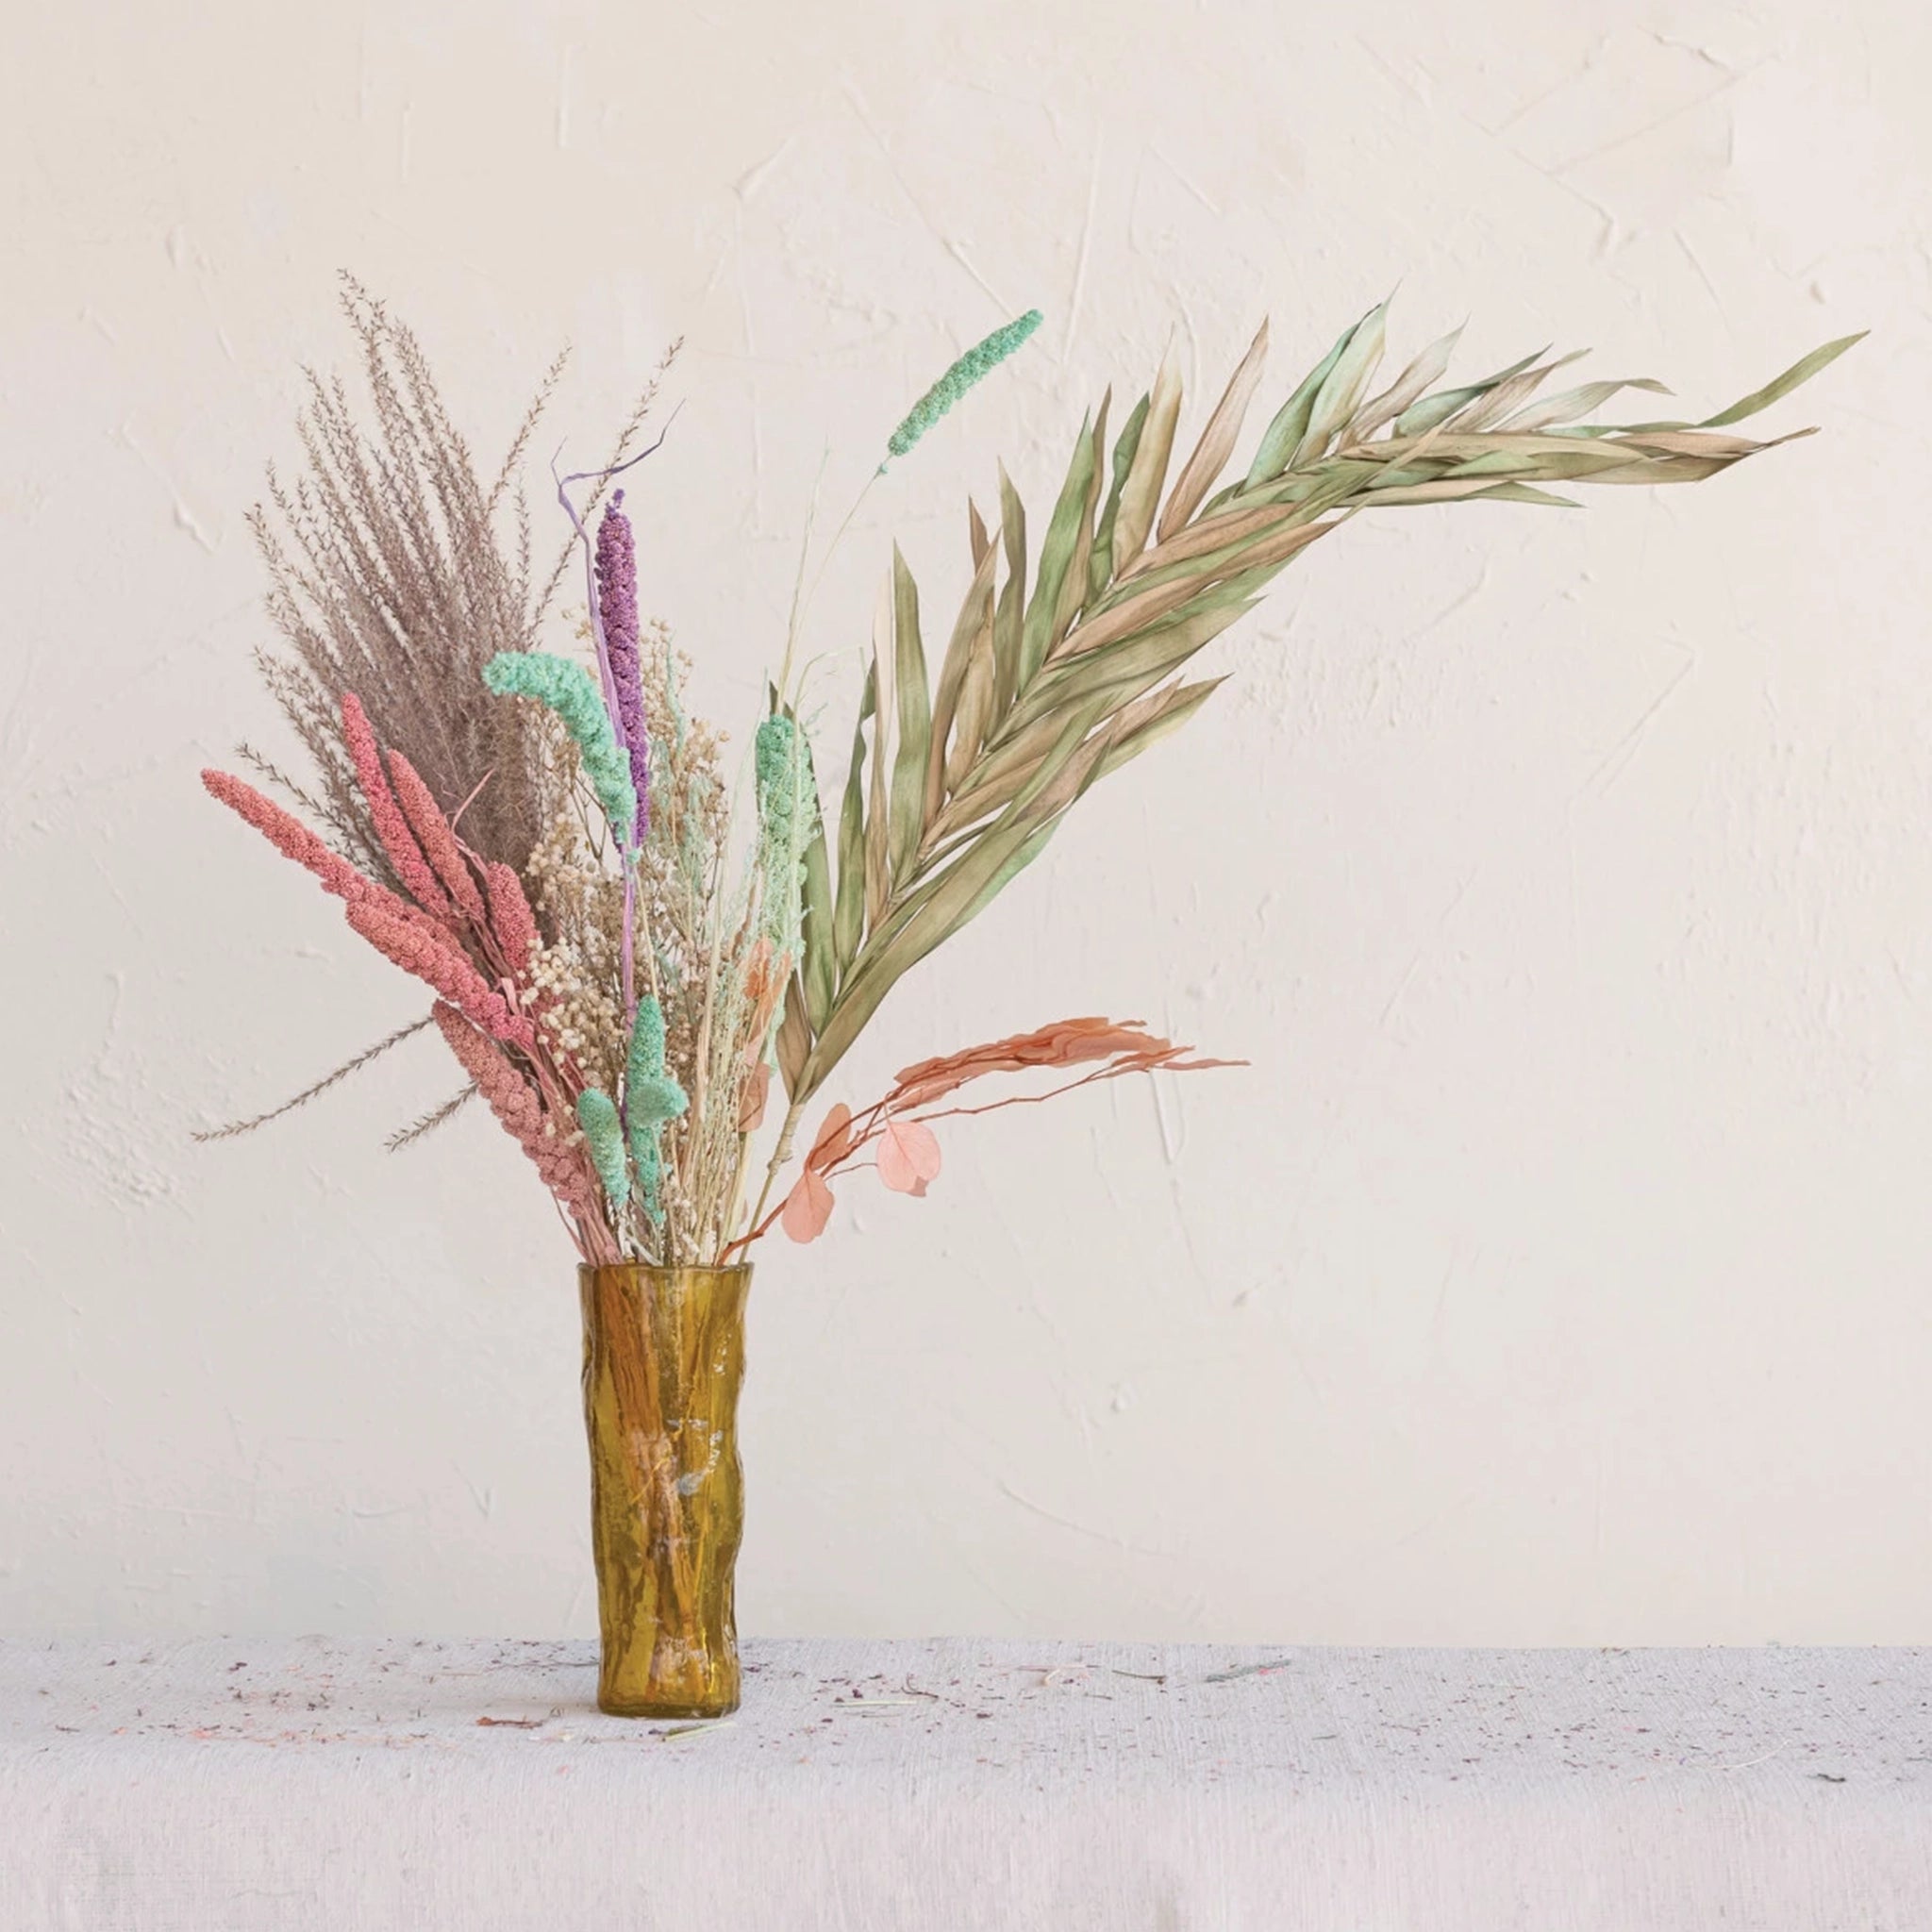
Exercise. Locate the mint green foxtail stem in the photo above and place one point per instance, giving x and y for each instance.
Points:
(571, 692)
(652, 1100)
(603, 1138)
(979, 361)
(788, 820)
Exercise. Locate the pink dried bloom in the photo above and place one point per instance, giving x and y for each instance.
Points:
(807, 1207)
(294, 840)
(289, 835)
(518, 1108)
(437, 964)
(510, 918)
(438, 838)
(909, 1156)
(386, 815)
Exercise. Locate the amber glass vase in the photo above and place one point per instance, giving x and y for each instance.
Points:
(663, 1358)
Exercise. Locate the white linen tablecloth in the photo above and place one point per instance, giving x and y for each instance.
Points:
(470, 1786)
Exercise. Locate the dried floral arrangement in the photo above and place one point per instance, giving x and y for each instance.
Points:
(627, 955)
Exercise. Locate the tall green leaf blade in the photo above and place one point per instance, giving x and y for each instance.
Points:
(976, 614)
(1342, 388)
(959, 895)
(1127, 668)
(1010, 867)
(794, 1036)
(1244, 541)
(820, 971)
(1571, 402)
(1217, 440)
(1173, 710)
(1100, 570)
(1055, 557)
(1004, 773)
(1427, 367)
(1527, 493)
(1421, 417)
(848, 914)
(1503, 400)
(1074, 586)
(1009, 613)
(914, 719)
(1147, 474)
(878, 817)
(1803, 370)
(1283, 436)
(974, 716)
(1201, 537)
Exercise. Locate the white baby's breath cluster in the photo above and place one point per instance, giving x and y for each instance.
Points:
(574, 1008)
(573, 981)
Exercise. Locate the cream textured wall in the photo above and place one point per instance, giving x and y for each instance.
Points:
(1559, 1271)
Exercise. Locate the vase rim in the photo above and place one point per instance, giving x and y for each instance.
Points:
(664, 1268)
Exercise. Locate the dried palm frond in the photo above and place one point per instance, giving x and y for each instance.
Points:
(1053, 678)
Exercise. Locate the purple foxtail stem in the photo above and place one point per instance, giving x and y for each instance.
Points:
(577, 524)
(604, 676)
(626, 845)
(617, 609)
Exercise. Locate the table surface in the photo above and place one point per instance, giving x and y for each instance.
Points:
(924, 1787)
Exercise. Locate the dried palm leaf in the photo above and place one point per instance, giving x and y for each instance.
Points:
(1052, 681)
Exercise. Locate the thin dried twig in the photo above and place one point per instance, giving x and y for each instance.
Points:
(428, 1123)
(232, 1129)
